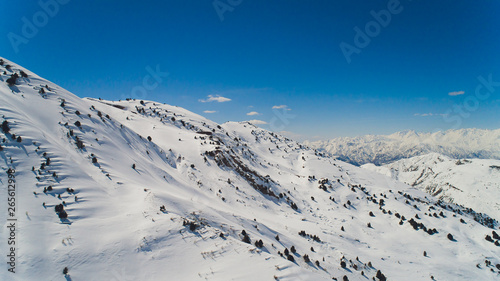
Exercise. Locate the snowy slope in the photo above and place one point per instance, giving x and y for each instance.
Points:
(384, 149)
(216, 182)
(474, 183)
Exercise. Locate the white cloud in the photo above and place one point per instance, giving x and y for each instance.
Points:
(299, 137)
(209, 111)
(457, 93)
(216, 98)
(257, 122)
(291, 135)
(366, 100)
(253, 113)
(428, 114)
(285, 107)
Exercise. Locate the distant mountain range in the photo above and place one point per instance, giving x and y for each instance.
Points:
(384, 149)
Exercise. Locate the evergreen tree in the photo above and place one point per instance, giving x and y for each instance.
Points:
(380, 276)
(488, 238)
(246, 239)
(5, 127)
(12, 80)
(450, 236)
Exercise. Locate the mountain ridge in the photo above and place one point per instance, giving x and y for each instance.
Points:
(384, 149)
(140, 190)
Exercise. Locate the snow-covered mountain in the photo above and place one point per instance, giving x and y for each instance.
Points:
(384, 149)
(473, 183)
(138, 190)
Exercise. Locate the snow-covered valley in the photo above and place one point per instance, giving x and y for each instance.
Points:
(473, 183)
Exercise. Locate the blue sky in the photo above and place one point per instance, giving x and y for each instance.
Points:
(251, 56)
